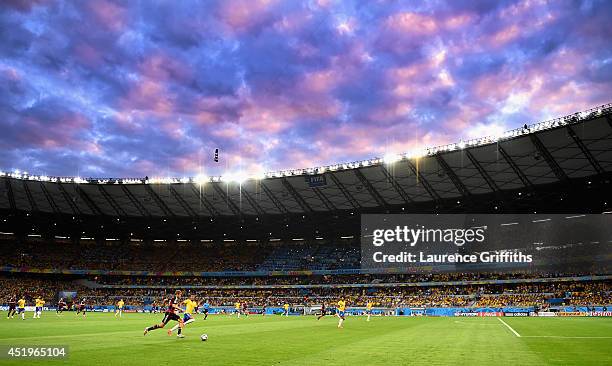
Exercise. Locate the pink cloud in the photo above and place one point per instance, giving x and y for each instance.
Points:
(412, 23)
(108, 14)
(242, 15)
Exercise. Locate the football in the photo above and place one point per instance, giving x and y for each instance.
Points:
(204, 337)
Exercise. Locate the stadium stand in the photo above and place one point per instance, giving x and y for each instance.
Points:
(284, 240)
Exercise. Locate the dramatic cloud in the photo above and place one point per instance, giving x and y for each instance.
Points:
(134, 88)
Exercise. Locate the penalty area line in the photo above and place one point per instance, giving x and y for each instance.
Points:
(509, 327)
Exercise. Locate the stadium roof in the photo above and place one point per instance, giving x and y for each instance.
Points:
(496, 170)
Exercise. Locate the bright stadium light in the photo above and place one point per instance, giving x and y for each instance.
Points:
(259, 176)
(234, 177)
(390, 158)
(200, 179)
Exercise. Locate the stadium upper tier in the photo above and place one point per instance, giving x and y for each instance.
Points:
(491, 174)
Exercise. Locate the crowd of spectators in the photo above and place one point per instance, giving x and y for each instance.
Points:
(331, 279)
(157, 258)
(477, 295)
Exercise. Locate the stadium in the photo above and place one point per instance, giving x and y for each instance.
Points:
(489, 249)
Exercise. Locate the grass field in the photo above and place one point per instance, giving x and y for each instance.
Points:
(101, 339)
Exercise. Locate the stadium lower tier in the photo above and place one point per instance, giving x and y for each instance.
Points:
(550, 292)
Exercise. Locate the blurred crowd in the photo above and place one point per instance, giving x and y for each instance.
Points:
(586, 293)
(184, 257)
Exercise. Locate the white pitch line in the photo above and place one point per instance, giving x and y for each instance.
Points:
(509, 327)
(570, 337)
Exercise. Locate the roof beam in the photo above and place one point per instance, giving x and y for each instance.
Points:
(585, 151)
(420, 178)
(31, 200)
(398, 188)
(50, 199)
(204, 201)
(453, 177)
(190, 211)
(552, 163)
(279, 205)
(90, 203)
(230, 203)
(300, 200)
(526, 182)
(11, 197)
(373, 192)
(139, 206)
(252, 202)
(482, 171)
(349, 197)
(162, 205)
(75, 209)
(326, 201)
(111, 201)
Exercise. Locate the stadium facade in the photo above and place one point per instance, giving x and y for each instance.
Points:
(563, 165)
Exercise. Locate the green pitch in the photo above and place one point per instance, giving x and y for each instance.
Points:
(101, 339)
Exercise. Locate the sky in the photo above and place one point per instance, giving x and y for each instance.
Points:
(132, 88)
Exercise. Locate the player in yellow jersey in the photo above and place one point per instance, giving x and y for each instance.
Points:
(119, 310)
(369, 310)
(190, 306)
(238, 308)
(39, 305)
(340, 312)
(286, 307)
(21, 308)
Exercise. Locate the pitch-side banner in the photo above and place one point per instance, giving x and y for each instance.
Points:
(424, 243)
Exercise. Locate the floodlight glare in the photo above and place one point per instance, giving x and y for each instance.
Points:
(200, 179)
(391, 158)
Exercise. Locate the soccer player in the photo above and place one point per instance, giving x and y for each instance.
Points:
(205, 309)
(81, 308)
(237, 306)
(12, 307)
(21, 308)
(154, 307)
(286, 307)
(323, 312)
(119, 310)
(369, 310)
(190, 306)
(61, 305)
(340, 313)
(245, 309)
(39, 305)
(170, 314)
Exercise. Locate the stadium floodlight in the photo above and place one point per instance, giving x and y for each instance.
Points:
(416, 154)
(259, 175)
(390, 158)
(234, 177)
(200, 179)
